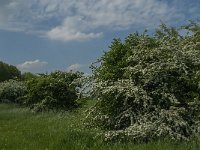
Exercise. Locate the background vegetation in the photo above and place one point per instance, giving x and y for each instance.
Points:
(12, 90)
(53, 91)
(8, 72)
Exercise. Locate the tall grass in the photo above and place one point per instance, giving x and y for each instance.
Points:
(21, 129)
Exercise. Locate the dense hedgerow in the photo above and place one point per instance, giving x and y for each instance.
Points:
(54, 91)
(149, 86)
(12, 91)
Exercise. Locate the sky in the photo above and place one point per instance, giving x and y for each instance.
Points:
(47, 35)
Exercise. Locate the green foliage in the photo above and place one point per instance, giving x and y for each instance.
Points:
(28, 75)
(12, 91)
(148, 87)
(54, 91)
(113, 61)
(8, 72)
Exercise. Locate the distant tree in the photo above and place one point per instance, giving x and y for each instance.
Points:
(28, 75)
(8, 72)
(52, 91)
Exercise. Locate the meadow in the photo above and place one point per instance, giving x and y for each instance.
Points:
(22, 129)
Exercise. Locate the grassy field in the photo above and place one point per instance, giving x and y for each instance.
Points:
(21, 129)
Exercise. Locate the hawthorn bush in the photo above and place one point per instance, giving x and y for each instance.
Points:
(12, 91)
(148, 87)
(54, 91)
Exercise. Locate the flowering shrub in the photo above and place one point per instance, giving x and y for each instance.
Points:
(149, 87)
(12, 91)
(53, 91)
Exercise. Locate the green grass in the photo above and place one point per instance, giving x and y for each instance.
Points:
(21, 129)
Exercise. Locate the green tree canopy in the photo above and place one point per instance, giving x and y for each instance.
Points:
(8, 72)
(28, 75)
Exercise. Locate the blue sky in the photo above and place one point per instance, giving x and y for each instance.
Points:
(48, 35)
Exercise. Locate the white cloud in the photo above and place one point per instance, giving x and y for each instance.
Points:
(119, 14)
(32, 66)
(72, 20)
(70, 31)
(76, 67)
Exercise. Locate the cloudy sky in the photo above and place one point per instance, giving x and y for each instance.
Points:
(47, 35)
